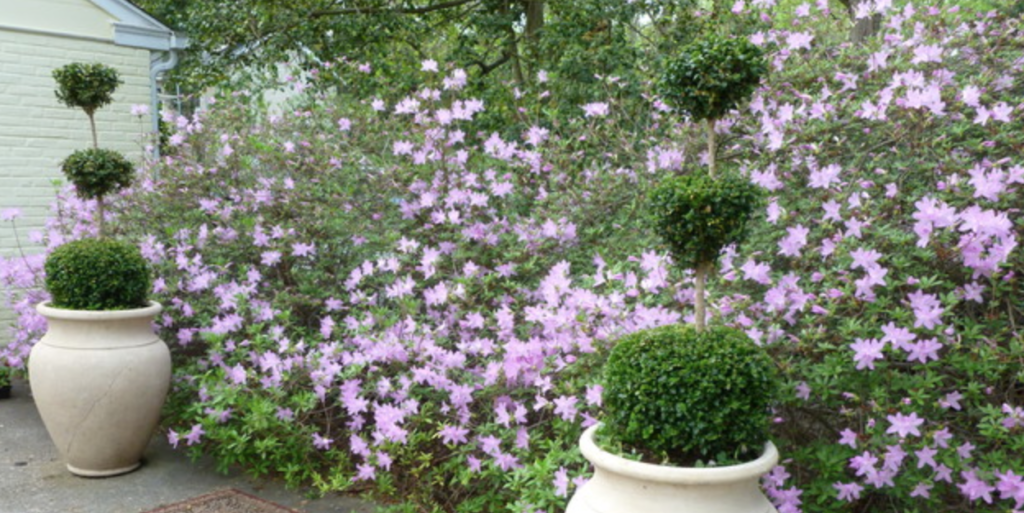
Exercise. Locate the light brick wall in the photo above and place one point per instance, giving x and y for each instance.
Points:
(37, 132)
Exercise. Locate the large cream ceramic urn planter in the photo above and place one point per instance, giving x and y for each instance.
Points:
(625, 486)
(100, 380)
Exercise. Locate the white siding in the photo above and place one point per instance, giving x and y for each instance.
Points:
(74, 17)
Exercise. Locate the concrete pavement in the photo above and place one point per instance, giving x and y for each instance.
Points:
(34, 480)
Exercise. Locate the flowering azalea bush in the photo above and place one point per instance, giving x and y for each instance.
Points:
(373, 294)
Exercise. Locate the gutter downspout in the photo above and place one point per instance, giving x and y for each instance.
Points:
(155, 69)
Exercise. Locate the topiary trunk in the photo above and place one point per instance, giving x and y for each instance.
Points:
(712, 149)
(702, 270)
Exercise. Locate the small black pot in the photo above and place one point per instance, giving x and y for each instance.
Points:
(5, 392)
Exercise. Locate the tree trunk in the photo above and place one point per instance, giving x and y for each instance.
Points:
(863, 28)
(100, 224)
(92, 125)
(534, 19)
(700, 316)
(712, 149)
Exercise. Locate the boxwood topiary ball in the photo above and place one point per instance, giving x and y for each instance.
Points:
(684, 396)
(98, 274)
(712, 75)
(97, 172)
(697, 215)
(86, 86)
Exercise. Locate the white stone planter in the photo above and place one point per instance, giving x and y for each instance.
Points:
(624, 486)
(100, 380)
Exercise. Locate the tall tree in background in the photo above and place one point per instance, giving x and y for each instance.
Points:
(495, 40)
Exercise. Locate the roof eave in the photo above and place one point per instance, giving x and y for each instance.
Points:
(155, 39)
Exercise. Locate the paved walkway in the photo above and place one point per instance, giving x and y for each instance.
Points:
(34, 480)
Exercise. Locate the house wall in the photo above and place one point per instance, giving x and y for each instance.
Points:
(73, 17)
(37, 132)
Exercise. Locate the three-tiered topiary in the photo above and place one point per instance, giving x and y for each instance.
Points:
(100, 375)
(691, 403)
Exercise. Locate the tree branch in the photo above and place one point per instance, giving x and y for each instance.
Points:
(487, 68)
(402, 10)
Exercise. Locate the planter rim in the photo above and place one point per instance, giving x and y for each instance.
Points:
(676, 475)
(50, 312)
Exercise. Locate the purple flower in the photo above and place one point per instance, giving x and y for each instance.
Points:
(822, 178)
(565, 407)
(453, 434)
(321, 443)
(866, 351)
(903, 425)
(975, 488)
(194, 435)
(10, 214)
(490, 444)
(365, 472)
(506, 461)
(848, 437)
(924, 350)
(757, 272)
(795, 239)
(848, 491)
(863, 464)
(173, 438)
(900, 338)
(927, 309)
(864, 258)
(926, 456)
(922, 490)
(595, 110)
(964, 450)
(1011, 486)
(236, 374)
(561, 482)
(300, 250)
(269, 258)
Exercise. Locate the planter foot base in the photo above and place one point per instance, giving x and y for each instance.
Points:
(103, 473)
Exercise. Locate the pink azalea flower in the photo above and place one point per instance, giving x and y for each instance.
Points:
(904, 425)
(795, 239)
(975, 488)
(866, 351)
(591, 110)
(848, 491)
(561, 482)
(848, 437)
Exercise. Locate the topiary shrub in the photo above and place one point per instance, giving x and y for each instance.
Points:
(98, 172)
(697, 215)
(97, 274)
(676, 395)
(712, 75)
(86, 86)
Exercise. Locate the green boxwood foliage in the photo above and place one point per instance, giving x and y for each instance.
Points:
(697, 215)
(712, 75)
(97, 172)
(86, 86)
(98, 274)
(677, 395)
